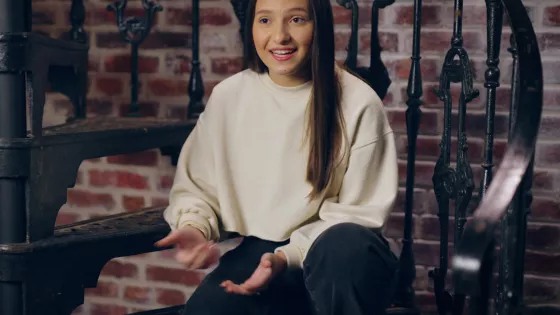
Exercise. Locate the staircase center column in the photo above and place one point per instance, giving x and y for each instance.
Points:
(15, 17)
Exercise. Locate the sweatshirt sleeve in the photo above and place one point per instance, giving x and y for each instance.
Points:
(366, 197)
(192, 198)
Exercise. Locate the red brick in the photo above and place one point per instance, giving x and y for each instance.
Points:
(159, 202)
(428, 148)
(389, 42)
(551, 71)
(431, 14)
(43, 16)
(395, 226)
(109, 86)
(552, 16)
(170, 297)
(209, 87)
(99, 107)
(107, 309)
(174, 275)
(120, 269)
(540, 263)
(176, 112)
(109, 40)
(122, 63)
(342, 15)
(208, 16)
(539, 290)
(547, 154)
(428, 123)
(121, 179)
(147, 109)
(430, 229)
(545, 209)
(341, 40)
(104, 289)
(82, 198)
(66, 218)
(167, 87)
(428, 67)
(551, 99)
(157, 40)
(419, 201)
(549, 127)
(227, 65)
(144, 158)
(549, 42)
(423, 172)
(431, 100)
(165, 182)
(427, 253)
(133, 203)
(176, 64)
(476, 124)
(137, 294)
(543, 237)
(545, 180)
(440, 41)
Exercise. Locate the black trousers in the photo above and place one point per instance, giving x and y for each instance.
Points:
(349, 270)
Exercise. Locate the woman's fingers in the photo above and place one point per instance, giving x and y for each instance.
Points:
(171, 239)
(199, 257)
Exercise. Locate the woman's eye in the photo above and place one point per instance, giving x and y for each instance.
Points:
(263, 20)
(298, 20)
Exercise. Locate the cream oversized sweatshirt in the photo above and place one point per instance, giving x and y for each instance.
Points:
(243, 167)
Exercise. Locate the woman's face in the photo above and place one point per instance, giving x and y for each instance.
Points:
(283, 34)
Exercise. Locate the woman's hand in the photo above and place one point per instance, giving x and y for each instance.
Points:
(270, 266)
(193, 250)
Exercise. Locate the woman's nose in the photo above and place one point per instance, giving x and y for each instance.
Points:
(281, 34)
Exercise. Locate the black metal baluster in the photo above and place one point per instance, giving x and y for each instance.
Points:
(78, 34)
(134, 30)
(473, 256)
(15, 17)
(452, 183)
(352, 48)
(509, 295)
(77, 19)
(495, 13)
(196, 86)
(407, 270)
(240, 10)
(377, 72)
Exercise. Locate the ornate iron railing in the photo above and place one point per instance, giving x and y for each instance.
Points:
(37, 167)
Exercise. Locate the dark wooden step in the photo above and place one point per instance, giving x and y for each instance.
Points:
(55, 157)
(176, 310)
(54, 271)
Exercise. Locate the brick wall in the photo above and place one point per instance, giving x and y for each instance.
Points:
(125, 183)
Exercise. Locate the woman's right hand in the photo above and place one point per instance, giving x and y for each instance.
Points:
(193, 250)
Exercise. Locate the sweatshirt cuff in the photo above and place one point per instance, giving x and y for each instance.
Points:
(294, 255)
(195, 220)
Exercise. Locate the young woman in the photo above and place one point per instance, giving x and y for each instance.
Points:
(296, 155)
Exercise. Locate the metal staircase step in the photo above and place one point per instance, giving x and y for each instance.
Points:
(56, 156)
(54, 271)
(177, 310)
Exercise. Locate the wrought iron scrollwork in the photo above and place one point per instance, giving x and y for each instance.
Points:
(134, 30)
(457, 184)
(404, 296)
(240, 10)
(196, 86)
(376, 74)
(473, 257)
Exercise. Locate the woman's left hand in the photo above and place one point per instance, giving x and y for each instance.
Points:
(271, 265)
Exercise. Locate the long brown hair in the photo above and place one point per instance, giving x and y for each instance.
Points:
(325, 125)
